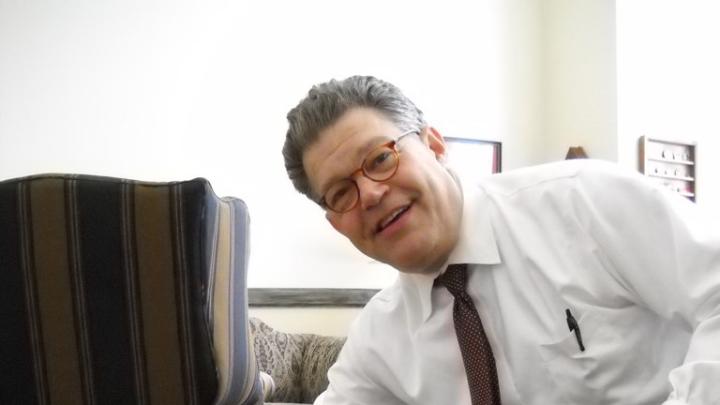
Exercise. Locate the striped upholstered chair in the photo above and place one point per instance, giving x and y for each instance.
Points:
(123, 292)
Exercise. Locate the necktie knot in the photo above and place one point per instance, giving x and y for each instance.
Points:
(454, 279)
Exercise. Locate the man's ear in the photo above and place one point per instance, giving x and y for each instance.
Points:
(432, 138)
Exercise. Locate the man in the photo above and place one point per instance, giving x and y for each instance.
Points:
(589, 284)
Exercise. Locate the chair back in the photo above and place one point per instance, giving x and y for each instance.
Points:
(114, 291)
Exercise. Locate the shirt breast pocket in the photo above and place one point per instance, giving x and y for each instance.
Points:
(583, 377)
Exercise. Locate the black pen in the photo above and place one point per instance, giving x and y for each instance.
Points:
(574, 327)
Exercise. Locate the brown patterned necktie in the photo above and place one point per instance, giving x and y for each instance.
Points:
(476, 351)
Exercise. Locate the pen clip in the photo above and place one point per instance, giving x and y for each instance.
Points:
(574, 327)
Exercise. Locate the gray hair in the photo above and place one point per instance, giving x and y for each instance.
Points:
(327, 102)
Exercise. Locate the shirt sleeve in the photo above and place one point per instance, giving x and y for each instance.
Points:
(665, 251)
(356, 378)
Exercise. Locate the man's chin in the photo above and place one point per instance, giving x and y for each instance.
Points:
(416, 261)
(411, 258)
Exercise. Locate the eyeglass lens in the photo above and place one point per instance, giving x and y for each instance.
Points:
(379, 165)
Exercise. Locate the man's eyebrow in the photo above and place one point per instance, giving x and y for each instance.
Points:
(359, 154)
(371, 143)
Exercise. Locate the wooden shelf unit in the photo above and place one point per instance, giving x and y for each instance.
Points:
(671, 163)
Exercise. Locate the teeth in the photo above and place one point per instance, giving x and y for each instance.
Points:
(392, 217)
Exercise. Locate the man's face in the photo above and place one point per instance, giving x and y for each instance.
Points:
(410, 221)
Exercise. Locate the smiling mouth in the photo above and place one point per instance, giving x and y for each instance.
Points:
(390, 219)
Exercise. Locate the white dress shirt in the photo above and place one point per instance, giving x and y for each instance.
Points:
(638, 268)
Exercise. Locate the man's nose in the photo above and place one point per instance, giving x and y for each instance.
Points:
(370, 192)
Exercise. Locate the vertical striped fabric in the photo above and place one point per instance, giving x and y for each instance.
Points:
(115, 291)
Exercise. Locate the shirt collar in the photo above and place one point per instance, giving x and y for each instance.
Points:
(476, 245)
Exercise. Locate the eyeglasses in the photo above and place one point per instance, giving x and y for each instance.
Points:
(379, 165)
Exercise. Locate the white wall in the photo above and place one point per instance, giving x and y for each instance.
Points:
(161, 90)
(578, 78)
(669, 82)
(559, 82)
(520, 98)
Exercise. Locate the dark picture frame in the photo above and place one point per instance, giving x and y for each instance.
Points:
(309, 297)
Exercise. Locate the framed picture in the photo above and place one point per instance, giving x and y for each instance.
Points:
(474, 158)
